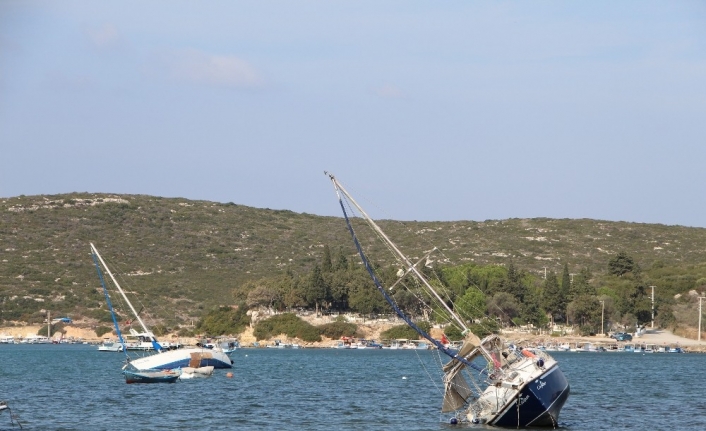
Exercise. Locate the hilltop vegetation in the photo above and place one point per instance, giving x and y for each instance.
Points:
(183, 258)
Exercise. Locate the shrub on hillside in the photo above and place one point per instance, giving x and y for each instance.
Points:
(405, 332)
(288, 324)
(101, 315)
(102, 330)
(55, 329)
(223, 321)
(308, 333)
(160, 330)
(453, 333)
(185, 332)
(485, 328)
(338, 329)
(586, 330)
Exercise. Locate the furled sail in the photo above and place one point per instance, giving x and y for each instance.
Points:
(456, 388)
(456, 391)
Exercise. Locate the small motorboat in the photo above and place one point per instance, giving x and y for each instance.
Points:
(191, 372)
(151, 376)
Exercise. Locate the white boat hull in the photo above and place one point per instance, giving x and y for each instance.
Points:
(110, 348)
(192, 373)
(180, 358)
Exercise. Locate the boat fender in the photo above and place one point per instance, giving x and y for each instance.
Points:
(453, 421)
(527, 353)
(540, 363)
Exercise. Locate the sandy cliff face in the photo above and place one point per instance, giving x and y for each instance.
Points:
(71, 331)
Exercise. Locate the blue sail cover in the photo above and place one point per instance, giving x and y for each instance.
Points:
(155, 345)
(110, 305)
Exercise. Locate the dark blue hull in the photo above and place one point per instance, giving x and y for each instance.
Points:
(150, 376)
(539, 402)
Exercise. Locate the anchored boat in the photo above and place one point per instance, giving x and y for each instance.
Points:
(486, 381)
(162, 358)
(152, 376)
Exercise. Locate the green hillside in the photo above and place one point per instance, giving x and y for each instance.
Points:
(183, 257)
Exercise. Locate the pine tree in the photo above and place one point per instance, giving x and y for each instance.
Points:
(316, 292)
(622, 264)
(532, 311)
(581, 286)
(554, 302)
(340, 261)
(513, 284)
(326, 265)
(566, 283)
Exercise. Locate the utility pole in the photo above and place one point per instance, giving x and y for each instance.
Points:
(700, 298)
(652, 325)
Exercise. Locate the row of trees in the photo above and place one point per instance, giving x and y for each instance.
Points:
(619, 298)
(335, 284)
(510, 296)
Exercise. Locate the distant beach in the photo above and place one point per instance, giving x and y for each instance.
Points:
(373, 329)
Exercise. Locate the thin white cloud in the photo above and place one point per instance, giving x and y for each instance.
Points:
(389, 91)
(105, 36)
(219, 70)
(61, 81)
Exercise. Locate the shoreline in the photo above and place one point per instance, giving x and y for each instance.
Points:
(656, 336)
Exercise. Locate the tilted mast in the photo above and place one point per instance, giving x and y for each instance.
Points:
(449, 352)
(110, 304)
(117, 285)
(410, 266)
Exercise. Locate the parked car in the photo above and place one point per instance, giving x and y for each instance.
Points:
(623, 337)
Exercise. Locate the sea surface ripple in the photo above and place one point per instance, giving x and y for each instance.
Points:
(75, 387)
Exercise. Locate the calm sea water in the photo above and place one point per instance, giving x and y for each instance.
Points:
(75, 387)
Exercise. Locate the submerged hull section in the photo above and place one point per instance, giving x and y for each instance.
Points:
(538, 404)
(181, 358)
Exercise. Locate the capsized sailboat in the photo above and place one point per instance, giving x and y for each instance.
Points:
(486, 381)
(163, 359)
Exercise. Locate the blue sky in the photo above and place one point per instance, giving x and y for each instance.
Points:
(450, 110)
